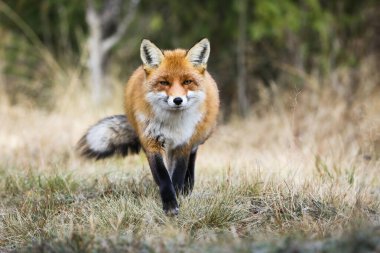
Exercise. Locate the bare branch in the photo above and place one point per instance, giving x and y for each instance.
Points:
(122, 28)
(92, 15)
(111, 11)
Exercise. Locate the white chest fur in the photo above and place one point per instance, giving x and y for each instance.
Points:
(174, 128)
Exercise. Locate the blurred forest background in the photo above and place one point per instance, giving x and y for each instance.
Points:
(297, 153)
(258, 47)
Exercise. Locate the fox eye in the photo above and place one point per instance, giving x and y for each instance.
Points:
(187, 82)
(164, 83)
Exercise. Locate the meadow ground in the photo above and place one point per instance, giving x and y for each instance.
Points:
(300, 174)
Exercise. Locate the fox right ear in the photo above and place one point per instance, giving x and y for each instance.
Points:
(199, 53)
(150, 54)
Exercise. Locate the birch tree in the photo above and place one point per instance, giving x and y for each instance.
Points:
(107, 26)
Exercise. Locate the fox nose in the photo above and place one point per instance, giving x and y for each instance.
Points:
(177, 101)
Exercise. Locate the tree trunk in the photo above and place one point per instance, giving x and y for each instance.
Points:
(106, 29)
(96, 56)
(241, 61)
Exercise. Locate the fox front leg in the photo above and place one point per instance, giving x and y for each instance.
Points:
(189, 177)
(179, 173)
(182, 169)
(162, 178)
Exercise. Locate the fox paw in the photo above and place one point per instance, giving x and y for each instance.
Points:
(171, 208)
(172, 211)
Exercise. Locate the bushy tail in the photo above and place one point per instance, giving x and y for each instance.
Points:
(109, 136)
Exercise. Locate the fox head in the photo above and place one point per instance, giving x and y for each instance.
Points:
(175, 78)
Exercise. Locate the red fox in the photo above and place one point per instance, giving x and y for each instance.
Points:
(171, 107)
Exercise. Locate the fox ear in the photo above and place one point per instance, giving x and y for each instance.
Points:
(150, 54)
(199, 53)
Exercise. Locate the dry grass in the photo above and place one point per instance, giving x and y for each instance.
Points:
(305, 167)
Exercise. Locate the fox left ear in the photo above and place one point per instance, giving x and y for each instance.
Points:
(199, 53)
(150, 54)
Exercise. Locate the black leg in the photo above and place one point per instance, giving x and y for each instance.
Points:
(179, 172)
(162, 178)
(189, 177)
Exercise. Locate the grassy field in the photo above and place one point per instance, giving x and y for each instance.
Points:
(301, 174)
